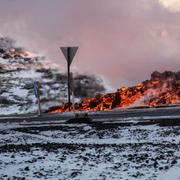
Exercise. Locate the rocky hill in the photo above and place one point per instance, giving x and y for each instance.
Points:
(19, 69)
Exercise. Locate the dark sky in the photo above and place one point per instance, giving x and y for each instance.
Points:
(122, 41)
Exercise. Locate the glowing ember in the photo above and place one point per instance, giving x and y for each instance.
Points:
(161, 89)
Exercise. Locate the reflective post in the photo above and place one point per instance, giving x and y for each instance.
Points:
(37, 94)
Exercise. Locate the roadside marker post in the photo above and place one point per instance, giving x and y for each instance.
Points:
(69, 53)
(37, 95)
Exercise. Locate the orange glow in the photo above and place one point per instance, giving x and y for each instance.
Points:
(155, 92)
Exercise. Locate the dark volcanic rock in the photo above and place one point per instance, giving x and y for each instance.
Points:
(80, 119)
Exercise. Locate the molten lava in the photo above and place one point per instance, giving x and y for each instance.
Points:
(161, 89)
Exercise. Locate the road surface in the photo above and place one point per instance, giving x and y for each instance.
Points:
(115, 116)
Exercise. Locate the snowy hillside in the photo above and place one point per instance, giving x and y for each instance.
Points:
(18, 71)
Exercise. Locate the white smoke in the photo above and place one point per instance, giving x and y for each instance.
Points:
(173, 5)
(123, 41)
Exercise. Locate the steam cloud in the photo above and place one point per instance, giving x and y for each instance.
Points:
(122, 41)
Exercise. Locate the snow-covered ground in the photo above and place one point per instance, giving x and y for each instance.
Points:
(63, 151)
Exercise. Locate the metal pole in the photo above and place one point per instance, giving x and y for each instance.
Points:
(69, 53)
(68, 73)
(39, 107)
(72, 91)
(39, 102)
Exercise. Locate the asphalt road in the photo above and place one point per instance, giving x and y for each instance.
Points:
(104, 116)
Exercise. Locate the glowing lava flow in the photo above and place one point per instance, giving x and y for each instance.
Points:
(161, 89)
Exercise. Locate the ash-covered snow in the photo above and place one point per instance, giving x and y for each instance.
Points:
(72, 151)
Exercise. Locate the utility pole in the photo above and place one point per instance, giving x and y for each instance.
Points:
(69, 53)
